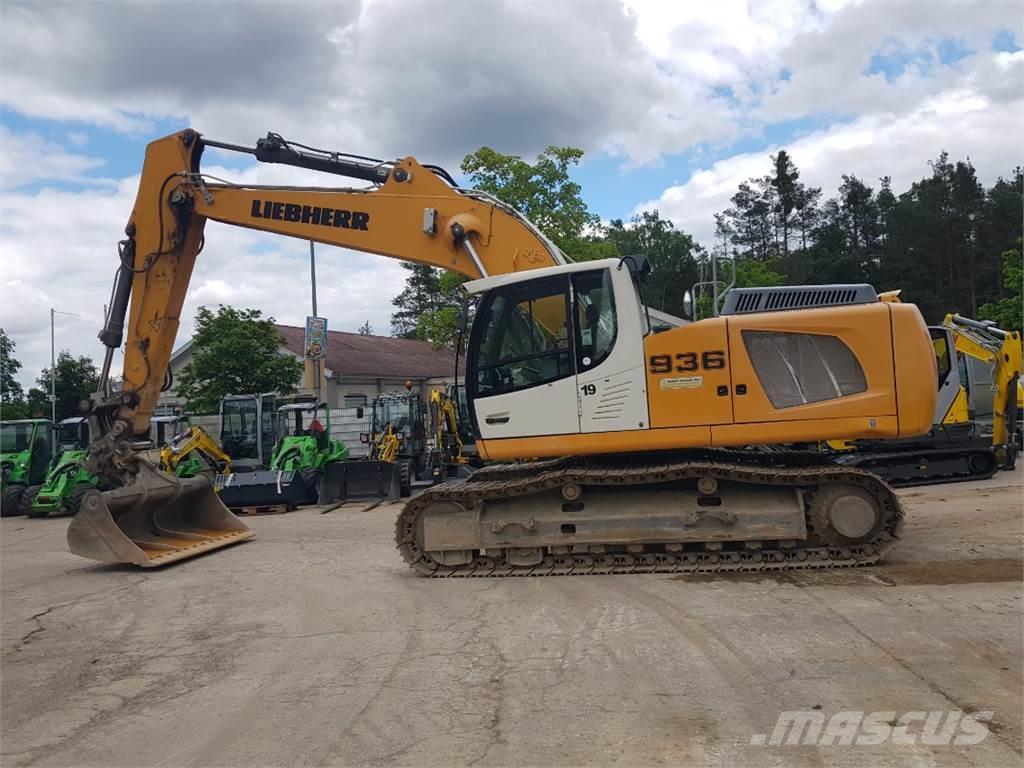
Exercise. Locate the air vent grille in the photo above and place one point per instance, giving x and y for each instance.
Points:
(745, 300)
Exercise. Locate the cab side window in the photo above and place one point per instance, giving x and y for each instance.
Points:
(595, 317)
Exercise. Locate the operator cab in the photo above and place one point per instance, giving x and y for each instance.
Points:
(304, 419)
(164, 428)
(247, 430)
(573, 332)
(72, 435)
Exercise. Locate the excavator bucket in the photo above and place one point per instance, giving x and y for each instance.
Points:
(157, 520)
(344, 480)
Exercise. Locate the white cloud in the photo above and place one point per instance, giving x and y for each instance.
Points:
(27, 158)
(964, 122)
(640, 80)
(58, 249)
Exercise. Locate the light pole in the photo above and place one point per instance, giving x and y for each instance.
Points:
(312, 280)
(53, 364)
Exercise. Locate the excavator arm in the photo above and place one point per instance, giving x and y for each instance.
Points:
(445, 423)
(1001, 349)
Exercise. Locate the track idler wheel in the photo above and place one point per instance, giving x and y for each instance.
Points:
(841, 515)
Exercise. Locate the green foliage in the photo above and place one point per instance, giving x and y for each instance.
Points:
(543, 191)
(421, 295)
(1008, 313)
(235, 351)
(441, 326)
(366, 329)
(12, 396)
(77, 378)
(672, 254)
(593, 248)
(429, 305)
(940, 241)
(755, 274)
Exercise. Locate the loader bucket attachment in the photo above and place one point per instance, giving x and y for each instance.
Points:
(344, 480)
(262, 488)
(155, 521)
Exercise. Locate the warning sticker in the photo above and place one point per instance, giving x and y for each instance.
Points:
(683, 382)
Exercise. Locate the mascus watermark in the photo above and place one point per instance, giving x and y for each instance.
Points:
(851, 728)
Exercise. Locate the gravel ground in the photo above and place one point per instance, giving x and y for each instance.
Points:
(313, 644)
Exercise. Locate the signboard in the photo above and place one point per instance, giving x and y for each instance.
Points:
(316, 338)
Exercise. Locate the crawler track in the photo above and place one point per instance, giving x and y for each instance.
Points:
(811, 475)
(926, 466)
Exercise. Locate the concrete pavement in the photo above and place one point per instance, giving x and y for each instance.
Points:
(313, 644)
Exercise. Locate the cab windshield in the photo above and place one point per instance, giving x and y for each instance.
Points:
(71, 436)
(396, 412)
(240, 428)
(15, 438)
(299, 421)
(539, 331)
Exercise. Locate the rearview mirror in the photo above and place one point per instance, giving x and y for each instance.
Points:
(464, 316)
(688, 305)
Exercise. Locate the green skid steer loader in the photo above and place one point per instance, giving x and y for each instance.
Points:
(26, 448)
(68, 480)
(285, 471)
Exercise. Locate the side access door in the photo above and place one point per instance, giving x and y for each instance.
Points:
(812, 364)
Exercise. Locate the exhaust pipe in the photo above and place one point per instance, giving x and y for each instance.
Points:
(156, 520)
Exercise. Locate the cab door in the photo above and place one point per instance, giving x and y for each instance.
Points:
(522, 358)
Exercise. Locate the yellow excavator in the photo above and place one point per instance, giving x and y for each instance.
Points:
(192, 452)
(976, 362)
(638, 442)
(445, 448)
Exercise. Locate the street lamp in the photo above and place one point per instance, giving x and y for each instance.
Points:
(53, 364)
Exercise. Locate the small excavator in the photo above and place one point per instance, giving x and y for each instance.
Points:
(959, 446)
(412, 446)
(397, 452)
(194, 452)
(444, 443)
(630, 445)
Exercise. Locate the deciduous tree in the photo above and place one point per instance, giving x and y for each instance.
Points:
(235, 351)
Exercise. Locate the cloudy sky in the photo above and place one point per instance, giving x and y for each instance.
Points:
(675, 103)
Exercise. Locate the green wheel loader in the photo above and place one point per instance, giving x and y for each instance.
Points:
(26, 448)
(67, 481)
